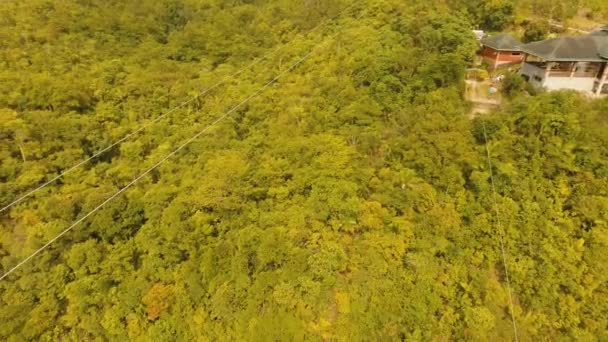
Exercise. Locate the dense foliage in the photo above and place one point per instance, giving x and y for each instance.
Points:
(496, 15)
(349, 201)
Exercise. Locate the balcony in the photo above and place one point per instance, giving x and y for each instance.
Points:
(563, 69)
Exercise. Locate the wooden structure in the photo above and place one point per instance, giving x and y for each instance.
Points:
(501, 50)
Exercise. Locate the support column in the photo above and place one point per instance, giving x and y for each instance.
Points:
(572, 69)
(603, 78)
(547, 71)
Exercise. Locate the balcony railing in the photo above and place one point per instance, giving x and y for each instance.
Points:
(586, 73)
(565, 69)
(559, 73)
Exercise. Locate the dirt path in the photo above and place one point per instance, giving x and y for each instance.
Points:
(483, 102)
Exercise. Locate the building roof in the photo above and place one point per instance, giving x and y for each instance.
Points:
(502, 42)
(603, 52)
(589, 48)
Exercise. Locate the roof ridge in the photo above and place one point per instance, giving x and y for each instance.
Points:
(560, 41)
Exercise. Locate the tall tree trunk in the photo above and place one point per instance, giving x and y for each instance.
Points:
(22, 153)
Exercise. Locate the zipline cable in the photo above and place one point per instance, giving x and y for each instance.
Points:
(164, 159)
(501, 232)
(197, 96)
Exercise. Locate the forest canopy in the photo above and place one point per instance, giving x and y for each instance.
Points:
(349, 200)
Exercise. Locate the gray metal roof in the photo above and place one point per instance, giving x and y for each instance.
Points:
(604, 51)
(587, 48)
(503, 42)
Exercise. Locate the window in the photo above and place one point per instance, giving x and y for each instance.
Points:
(515, 53)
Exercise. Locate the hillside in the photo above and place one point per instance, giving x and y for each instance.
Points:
(337, 188)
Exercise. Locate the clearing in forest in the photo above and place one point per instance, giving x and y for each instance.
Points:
(480, 95)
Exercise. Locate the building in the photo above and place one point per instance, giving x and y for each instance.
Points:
(501, 50)
(578, 63)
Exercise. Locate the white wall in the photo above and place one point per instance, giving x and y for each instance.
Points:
(575, 83)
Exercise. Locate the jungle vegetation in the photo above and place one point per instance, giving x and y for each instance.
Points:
(351, 200)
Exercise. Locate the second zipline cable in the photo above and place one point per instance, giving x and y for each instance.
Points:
(163, 160)
(501, 233)
(157, 119)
